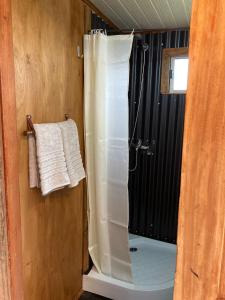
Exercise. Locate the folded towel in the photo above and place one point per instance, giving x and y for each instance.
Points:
(72, 152)
(51, 159)
(33, 168)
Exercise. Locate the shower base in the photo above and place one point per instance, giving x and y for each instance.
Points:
(153, 268)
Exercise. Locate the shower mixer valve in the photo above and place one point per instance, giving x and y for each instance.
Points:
(146, 146)
(139, 144)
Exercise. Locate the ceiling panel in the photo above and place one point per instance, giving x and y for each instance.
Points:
(179, 11)
(151, 17)
(121, 10)
(146, 14)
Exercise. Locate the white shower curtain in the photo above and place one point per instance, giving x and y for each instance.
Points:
(106, 62)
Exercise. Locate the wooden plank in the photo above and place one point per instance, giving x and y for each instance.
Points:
(87, 19)
(49, 83)
(10, 154)
(221, 295)
(86, 262)
(200, 271)
(157, 30)
(4, 255)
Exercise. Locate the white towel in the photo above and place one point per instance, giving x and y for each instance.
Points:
(72, 152)
(33, 168)
(51, 159)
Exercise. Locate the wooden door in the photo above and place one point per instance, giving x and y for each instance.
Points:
(201, 243)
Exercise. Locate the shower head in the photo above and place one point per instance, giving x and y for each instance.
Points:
(145, 47)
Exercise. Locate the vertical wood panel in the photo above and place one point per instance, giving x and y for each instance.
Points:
(10, 204)
(200, 263)
(49, 83)
(4, 255)
(86, 261)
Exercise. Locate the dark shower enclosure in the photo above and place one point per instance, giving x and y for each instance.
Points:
(154, 186)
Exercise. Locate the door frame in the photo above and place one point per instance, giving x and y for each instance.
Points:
(10, 161)
(200, 270)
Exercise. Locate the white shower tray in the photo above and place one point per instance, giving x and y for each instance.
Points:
(153, 267)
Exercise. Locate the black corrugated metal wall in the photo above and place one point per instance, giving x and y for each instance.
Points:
(98, 23)
(154, 186)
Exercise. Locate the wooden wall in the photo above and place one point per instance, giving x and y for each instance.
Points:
(49, 83)
(201, 241)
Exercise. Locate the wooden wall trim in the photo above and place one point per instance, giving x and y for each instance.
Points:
(156, 30)
(87, 18)
(4, 255)
(86, 260)
(10, 151)
(200, 273)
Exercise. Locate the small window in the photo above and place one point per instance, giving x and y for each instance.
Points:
(174, 71)
(178, 74)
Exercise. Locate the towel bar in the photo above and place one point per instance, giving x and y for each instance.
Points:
(30, 126)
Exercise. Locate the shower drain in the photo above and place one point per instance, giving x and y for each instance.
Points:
(133, 249)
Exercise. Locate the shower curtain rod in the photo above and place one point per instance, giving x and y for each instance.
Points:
(30, 126)
(144, 31)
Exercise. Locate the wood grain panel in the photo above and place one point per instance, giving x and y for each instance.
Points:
(201, 254)
(10, 202)
(4, 255)
(49, 83)
(86, 260)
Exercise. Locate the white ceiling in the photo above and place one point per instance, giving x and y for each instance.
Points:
(146, 14)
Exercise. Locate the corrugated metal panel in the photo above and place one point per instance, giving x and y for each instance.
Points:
(146, 14)
(98, 23)
(154, 186)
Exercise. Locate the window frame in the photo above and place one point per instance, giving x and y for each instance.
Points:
(168, 55)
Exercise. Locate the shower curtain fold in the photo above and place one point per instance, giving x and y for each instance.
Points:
(106, 65)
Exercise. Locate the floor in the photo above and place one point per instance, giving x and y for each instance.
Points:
(89, 296)
(153, 263)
